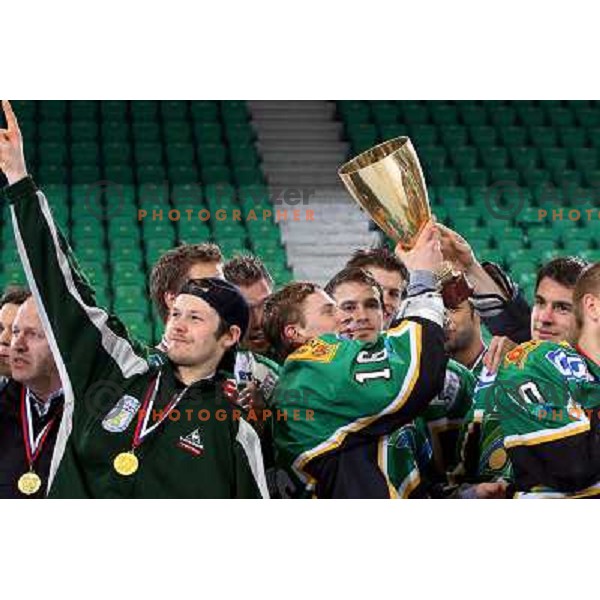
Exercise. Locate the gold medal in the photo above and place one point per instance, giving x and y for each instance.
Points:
(497, 459)
(29, 483)
(126, 463)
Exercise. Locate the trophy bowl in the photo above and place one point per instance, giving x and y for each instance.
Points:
(387, 181)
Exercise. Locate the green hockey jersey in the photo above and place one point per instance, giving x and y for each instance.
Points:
(547, 396)
(337, 402)
(421, 453)
(483, 457)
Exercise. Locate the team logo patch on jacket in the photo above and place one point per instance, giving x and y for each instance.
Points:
(316, 351)
(518, 355)
(192, 443)
(121, 414)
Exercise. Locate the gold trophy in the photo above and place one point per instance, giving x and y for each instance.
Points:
(387, 181)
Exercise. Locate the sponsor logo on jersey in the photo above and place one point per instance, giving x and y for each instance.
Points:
(450, 392)
(192, 443)
(485, 379)
(518, 355)
(121, 415)
(568, 365)
(315, 351)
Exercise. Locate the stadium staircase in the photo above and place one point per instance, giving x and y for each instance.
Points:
(301, 146)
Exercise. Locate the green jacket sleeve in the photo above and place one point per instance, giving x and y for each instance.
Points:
(88, 343)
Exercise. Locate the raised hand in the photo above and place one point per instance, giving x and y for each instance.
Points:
(427, 253)
(12, 159)
(456, 250)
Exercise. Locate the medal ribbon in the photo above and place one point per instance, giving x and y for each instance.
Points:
(141, 429)
(33, 444)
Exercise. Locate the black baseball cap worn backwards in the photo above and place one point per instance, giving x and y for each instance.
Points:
(224, 297)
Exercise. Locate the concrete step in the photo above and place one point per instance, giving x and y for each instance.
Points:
(289, 128)
(300, 179)
(288, 105)
(321, 113)
(273, 159)
(284, 147)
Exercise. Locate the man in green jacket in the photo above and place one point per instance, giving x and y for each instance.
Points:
(142, 426)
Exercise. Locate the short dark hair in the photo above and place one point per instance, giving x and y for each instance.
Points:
(169, 273)
(565, 270)
(353, 275)
(282, 308)
(378, 257)
(14, 294)
(246, 269)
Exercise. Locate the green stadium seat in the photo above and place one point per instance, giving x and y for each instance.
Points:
(414, 113)
(212, 155)
(524, 157)
(116, 153)
(155, 174)
(385, 113)
(207, 132)
(84, 153)
(443, 177)
(216, 174)
(204, 111)
(144, 110)
(453, 136)
(248, 175)
(585, 159)
(81, 174)
(531, 116)
(26, 110)
(52, 153)
(588, 117)
(113, 111)
(571, 137)
(503, 117)
(178, 132)
(187, 195)
(560, 117)
(138, 324)
(119, 174)
(115, 132)
(149, 153)
(443, 114)
(473, 115)
(464, 158)
(83, 110)
(494, 157)
(174, 110)
(238, 133)
(474, 177)
(422, 135)
(543, 137)
(243, 157)
(180, 154)
(234, 111)
(513, 136)
(155, 248)
(483, 135)
(52, 131)
(145, 131)
(84, 131)
(53, 109)
(51, 174)
(193, 231)
(181, 174)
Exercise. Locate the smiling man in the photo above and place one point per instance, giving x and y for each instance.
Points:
(389, 272)
(360, 298)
